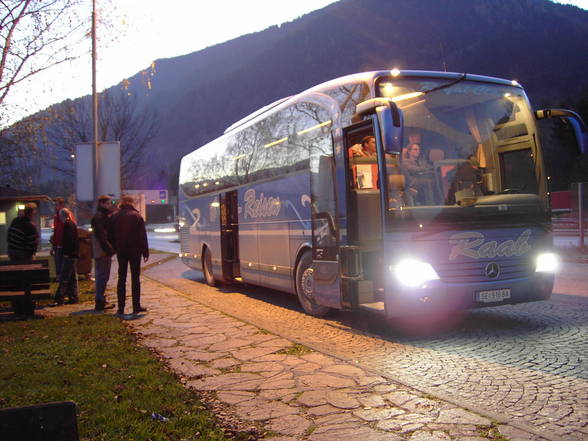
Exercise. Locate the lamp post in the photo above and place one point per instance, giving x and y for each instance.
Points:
(95, 104)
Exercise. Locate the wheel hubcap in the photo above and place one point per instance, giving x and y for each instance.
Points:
(307, 283)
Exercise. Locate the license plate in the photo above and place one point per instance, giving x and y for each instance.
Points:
(492, 296)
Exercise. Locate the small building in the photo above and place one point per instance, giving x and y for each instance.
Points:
(154, 205)
(11, 201)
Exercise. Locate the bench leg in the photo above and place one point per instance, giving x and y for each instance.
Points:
(23, 306)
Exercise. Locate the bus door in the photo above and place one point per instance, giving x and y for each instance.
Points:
(362, 256)
(229, 235)
(325, 256)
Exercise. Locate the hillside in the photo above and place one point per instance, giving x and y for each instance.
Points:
(196, 96)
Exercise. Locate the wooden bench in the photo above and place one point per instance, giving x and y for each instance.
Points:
(41, 422)
(22, 284)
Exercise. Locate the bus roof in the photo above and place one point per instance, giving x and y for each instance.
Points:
(369, 78)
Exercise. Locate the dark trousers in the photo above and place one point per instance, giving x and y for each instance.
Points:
(123, 263)
(58, 261)
(68, 281)
(101, 275)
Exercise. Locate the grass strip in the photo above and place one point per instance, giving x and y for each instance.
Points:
(95, 361)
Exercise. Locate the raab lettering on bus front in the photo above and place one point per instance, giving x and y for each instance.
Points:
(262, 206)
(473, 244)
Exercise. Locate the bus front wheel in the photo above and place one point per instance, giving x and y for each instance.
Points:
(305, 286)
(207, 267)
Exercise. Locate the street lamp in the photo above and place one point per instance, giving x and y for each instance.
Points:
(95, 103)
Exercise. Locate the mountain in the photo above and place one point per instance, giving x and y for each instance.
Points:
(541, 44)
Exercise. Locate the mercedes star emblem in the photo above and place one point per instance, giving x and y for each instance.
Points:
(492, 270)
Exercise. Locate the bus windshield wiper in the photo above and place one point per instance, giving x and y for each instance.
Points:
(444, 86)
(510, 191)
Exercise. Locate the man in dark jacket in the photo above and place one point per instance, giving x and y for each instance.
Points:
(103, 250)
(23, 237)
(129, 237)
(23, 241)
(68, 280)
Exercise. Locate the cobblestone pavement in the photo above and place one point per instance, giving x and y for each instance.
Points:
(524, 364)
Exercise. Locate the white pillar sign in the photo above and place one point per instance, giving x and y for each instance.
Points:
(84, 165)
(108, 170)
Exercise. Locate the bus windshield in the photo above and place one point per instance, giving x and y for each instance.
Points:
(465, 142)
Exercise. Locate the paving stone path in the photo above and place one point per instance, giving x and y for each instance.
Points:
(290, 392)
(524, 364)
(295, 393)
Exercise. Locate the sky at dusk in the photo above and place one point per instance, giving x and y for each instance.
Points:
(137, 36)
(580, 3)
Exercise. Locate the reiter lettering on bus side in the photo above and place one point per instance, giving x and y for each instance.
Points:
(261, 206)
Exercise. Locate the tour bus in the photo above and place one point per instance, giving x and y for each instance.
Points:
(450, 209)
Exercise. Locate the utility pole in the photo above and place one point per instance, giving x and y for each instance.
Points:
(95, 105)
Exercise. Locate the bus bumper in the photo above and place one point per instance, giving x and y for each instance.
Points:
(437, 296)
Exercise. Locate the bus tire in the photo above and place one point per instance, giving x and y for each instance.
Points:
(305, 286)
(207, 267)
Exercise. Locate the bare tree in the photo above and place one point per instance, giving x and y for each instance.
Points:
(36, 35)
(120, 119)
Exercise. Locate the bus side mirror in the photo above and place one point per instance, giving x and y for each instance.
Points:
(390, 121)
(324, 231)
(574, 120)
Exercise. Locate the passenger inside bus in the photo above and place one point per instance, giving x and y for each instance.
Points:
(466, 181)
(364, 164)
(419, 177)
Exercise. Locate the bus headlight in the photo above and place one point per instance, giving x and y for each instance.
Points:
(547, 262)
(414, 273)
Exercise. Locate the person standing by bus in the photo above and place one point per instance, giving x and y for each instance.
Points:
(23, 241)
(68, 281)
(103, 251)
(129, 237)
(23, 237)
(57, 237)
